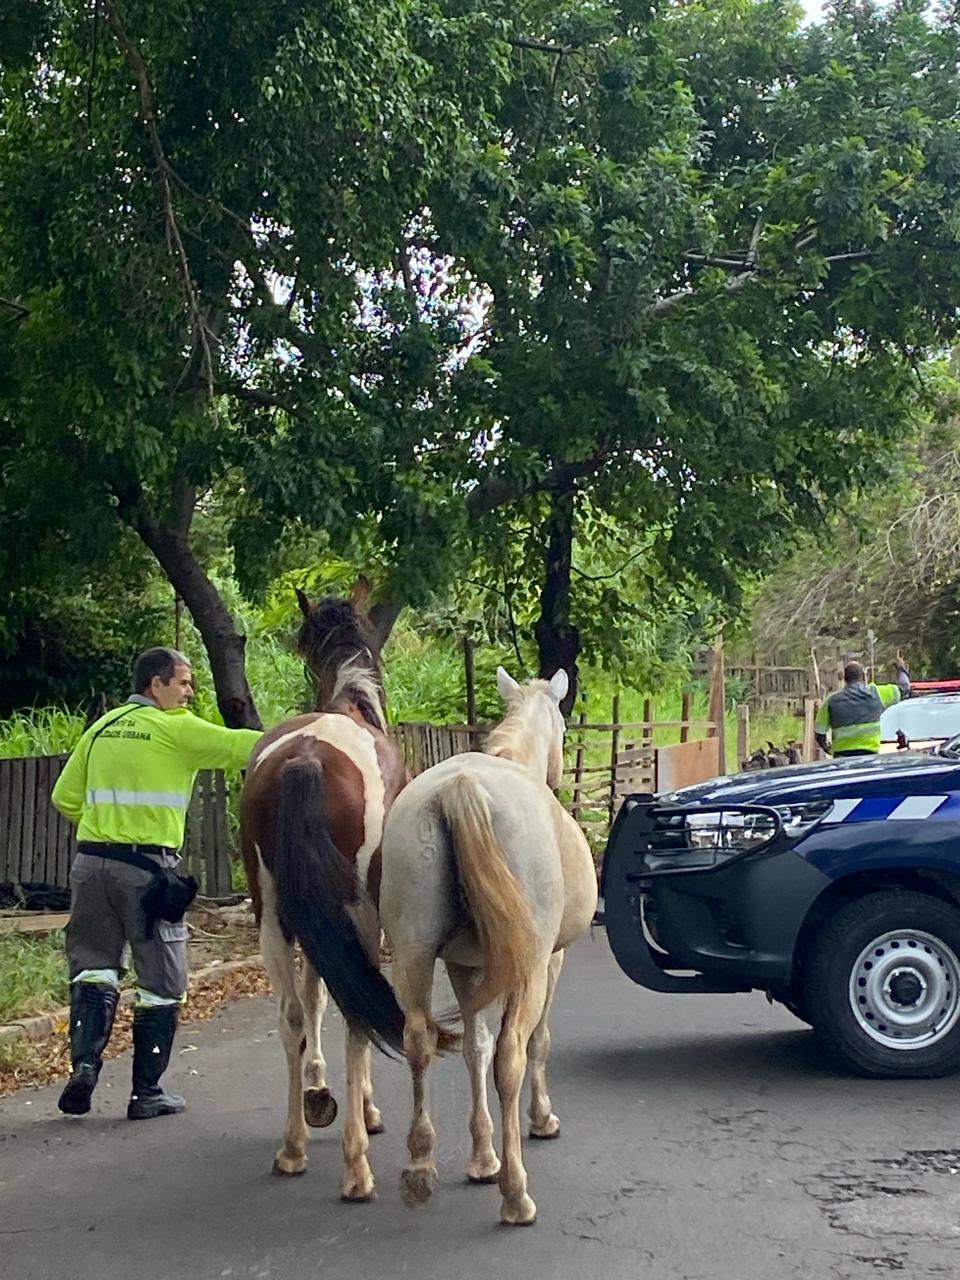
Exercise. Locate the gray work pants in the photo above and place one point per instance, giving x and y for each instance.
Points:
(105, 912)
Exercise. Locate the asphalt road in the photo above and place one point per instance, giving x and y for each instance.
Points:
(704, 1137)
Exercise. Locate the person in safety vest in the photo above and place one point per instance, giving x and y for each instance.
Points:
(127, 786)
(852, 714)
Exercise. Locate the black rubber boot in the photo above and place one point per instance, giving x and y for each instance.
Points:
(92, 1008)
(153, 1032)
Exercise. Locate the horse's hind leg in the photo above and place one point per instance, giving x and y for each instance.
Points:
(278, 957)
(372, 1119)
(522, 1013)
(483, 1165)
(414, 985)
(358, 1183)
(319, 1105)
(543, 1123)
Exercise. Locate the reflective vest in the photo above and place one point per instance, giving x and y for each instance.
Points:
(130, 777)
(852, 715)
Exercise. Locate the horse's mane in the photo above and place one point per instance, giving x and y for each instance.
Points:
(513, 735)
(337, 640)
(356, 679)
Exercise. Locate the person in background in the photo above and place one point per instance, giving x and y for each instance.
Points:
(127, 787)
(851, 716)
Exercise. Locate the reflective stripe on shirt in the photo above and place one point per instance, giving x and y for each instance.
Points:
(865, 737)
(160, 799)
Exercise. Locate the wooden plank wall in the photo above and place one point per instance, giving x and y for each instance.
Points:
(592, 791)
(37, 843)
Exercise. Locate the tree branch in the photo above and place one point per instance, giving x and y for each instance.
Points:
(665, 305)
(605, 577)
(253, 395)
(540, 46)
(165, 176)
(403, 266)
(746, 267)
(497, 491)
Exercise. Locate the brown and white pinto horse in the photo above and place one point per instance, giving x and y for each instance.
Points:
(312, 813)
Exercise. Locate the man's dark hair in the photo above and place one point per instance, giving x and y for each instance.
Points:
(156, 662)
(853, 673)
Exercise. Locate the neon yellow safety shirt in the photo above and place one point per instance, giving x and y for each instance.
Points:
(852, 715)
(130, 782)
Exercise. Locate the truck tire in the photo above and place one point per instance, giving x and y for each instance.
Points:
(882, 987)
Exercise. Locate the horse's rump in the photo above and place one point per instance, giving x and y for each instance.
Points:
(317, 898)
(313, 810)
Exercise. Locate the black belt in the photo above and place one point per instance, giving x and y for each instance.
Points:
(132, 854)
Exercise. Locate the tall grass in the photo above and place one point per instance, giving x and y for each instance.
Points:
(34, 973)
(424, 679)
(47, 731)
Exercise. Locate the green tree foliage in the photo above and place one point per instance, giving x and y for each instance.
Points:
(193, 208)
(714, 247)
(890, 565)
(429, 277)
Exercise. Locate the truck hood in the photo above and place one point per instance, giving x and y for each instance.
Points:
(831, 778)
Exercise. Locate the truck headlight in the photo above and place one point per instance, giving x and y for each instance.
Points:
(730, 830)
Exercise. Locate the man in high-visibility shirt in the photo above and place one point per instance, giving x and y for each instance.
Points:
(127, 786)
(852, 714)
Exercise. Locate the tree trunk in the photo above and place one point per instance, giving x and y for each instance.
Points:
(224, 645)
(558, 642)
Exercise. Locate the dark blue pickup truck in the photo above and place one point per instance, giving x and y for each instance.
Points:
(834, 887)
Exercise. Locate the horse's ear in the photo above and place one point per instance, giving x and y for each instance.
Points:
(360, 592)
(506, 684)
(559, 684)
(304, 603)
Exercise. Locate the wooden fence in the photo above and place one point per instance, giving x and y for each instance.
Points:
(774, 687)
(37, 844)
(605, 762)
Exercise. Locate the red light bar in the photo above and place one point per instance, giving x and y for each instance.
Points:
(934, 686)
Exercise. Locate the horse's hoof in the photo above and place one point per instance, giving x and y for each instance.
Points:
(319, 1108)
(373, 1127)
(549, 1129)
(284, 1167)
(483, 1172)
(358, 1192)
(416, 1185)
(521, 1214)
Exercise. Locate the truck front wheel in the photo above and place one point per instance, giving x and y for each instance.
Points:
(882, 986)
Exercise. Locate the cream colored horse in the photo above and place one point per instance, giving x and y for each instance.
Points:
(484, 869)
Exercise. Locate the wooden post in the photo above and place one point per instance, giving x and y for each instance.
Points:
(647, 722)
(685, 716)
(614, 749)
(718, 699)
(470, 682)
(809, 739)
(818, 688)
(578, 769)
(743, 733)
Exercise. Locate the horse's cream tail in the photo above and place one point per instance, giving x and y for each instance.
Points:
(497, 907)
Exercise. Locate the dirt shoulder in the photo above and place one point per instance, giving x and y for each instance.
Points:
(224, 966)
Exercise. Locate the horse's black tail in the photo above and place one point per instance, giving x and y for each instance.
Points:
(316, 886)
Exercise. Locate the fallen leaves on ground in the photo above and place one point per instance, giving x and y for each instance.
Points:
(35, 1063)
